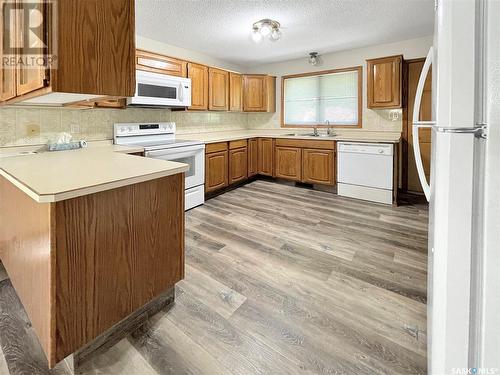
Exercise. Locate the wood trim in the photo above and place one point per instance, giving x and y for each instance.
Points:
(359, 69)
(29, 95)
(386, 57)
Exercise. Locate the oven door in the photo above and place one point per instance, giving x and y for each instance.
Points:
(192, 155)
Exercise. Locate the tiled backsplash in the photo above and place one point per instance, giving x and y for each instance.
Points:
(378, 120)
(31, 126)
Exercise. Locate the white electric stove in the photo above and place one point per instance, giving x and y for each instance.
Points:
(159, 142)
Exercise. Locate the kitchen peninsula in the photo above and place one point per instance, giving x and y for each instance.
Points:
(89, 237)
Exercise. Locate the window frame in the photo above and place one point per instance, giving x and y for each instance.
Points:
(358, 68)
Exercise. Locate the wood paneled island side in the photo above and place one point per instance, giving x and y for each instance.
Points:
(83, 264)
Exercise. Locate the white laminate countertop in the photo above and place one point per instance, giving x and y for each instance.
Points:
(350, 135)
(55, 176)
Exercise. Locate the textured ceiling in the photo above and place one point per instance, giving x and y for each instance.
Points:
(222, 28)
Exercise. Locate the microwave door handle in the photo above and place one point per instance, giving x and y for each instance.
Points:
(417, 124)
(180, 91)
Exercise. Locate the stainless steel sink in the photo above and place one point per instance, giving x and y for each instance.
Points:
(321, 135)
(300, 135)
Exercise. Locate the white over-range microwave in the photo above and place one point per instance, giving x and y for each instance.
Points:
(160, 90)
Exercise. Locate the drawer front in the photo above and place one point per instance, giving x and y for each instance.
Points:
(237, 144)
(215, 147)
(306, 143)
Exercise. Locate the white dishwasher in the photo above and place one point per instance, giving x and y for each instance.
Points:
(365, 171)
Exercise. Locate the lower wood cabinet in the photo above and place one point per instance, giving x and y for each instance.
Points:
(266, 157)
(318, 166)
(253, 157)
(308, 161)
(238, 165)
(288, 163)
(216, 170)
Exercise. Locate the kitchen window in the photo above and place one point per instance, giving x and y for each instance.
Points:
(327, 98)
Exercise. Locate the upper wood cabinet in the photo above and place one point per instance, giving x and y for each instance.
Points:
(156, 63)
(384, 82)
(86, 64)
(199, 86)
(30, 78)
(218, 89)
(266, 157)
(253, 157)
(288, 163)
(318, 166)
(7, 75)
(235, 92)
(259, 93)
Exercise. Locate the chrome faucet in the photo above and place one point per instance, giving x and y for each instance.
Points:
(329, 131)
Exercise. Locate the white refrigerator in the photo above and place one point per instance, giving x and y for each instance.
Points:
(463, 65)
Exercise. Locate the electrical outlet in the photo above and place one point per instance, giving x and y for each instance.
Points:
(32, 130)
(75, 128)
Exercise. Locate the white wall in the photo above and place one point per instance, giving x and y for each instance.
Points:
(372, 120)
(186, 54)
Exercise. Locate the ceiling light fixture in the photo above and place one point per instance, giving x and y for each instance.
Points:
(313, 58)
(266, 28)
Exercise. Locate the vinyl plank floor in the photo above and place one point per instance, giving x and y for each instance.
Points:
(279, 280)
